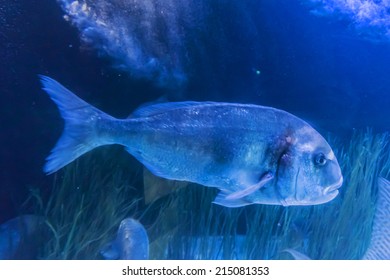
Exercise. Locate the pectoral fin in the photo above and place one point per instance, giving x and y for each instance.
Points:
(231, 203)
(251, 189)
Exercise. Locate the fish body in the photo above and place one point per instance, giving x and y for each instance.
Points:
(251, 153)
(131, 242)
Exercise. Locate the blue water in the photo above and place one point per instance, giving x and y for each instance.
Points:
(315, 59)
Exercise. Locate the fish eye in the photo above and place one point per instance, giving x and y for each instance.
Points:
(320, 159)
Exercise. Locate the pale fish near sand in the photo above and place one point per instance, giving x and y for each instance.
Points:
(252, 154)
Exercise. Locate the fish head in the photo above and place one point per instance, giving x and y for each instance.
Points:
(309, 171)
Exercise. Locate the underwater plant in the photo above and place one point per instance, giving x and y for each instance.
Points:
(379, 248)
(88, 201)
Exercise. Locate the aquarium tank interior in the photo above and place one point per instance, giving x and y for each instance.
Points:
(205, 130)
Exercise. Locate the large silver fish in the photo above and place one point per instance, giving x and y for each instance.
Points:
(252, 154)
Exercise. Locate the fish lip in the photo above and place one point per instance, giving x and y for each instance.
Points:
(330, 196)
(334, 187)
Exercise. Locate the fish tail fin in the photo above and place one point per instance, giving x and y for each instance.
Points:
(79, 132)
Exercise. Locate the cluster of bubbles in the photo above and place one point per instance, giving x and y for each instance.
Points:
(161, 40)
(371, 18)
(145, 38)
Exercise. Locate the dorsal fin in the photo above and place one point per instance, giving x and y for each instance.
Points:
(160, 100)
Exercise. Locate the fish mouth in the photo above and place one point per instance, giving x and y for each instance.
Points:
(333, 189)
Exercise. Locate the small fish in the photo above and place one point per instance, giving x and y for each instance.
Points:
(252, 154)
(131, 243)
(21, 237)
(379, 248)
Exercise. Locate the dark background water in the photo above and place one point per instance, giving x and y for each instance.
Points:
(317, 68)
